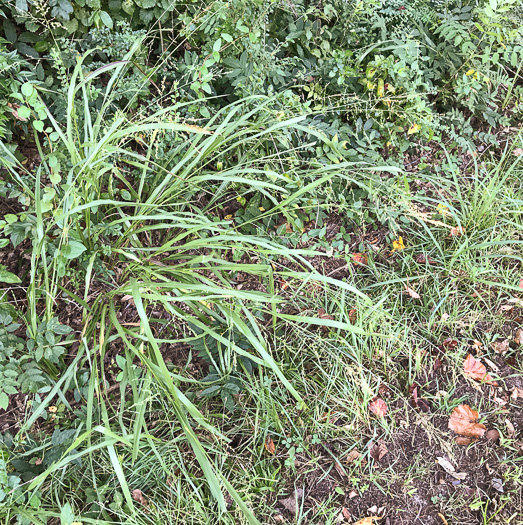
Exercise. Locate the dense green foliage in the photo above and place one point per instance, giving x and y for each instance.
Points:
(156, 156)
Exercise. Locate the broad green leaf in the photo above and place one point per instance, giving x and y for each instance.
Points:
(73, 250)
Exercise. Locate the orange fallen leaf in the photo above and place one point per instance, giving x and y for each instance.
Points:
(369, 520)
(270, 447)
(359, 258)
(476, 370)
(378, 407)
(464, 421)
(353, 315)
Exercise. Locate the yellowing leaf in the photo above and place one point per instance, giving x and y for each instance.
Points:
(414, 129)
(469, 72)
(381, 88)
(197, 129)
(227, 217)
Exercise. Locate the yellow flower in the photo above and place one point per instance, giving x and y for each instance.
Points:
(443, 210)
(397, 245)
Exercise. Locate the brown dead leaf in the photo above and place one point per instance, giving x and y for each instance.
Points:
(476, 370)
(291, 503)
(464, 421)
(500, 347)
(418, 402)
(425, 259)
(139, 497)
(412, 293)
(461, 440)
(518, 338)
(352, 456)
(492, 434)
(353, 494)
(323, 315)
(369, 520)
(518, 152)
(377, 450)
(378, 407)
(346, 513)
(353, 315)
(270, 447)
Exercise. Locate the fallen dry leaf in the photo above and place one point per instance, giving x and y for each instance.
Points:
(516, 393)
(139, 497)
(270, 447)
(346, 513)
(463, 421)
(424, 259)
(418, 402)
(353, 315)
(518, 338)
(279, 518)
(377, 450)
(448, 344)
(511, 431)
(476, 370)
(500, 347)
(352, 456)
(323, 315)
(518, 152)
(353, 494)
(521, 283)
(291, 503)
(412, 293)
(369, 520)
(497, 484)
(359, 258)
(378, 407)
(460, 440)
(492, 435)
(449, 468)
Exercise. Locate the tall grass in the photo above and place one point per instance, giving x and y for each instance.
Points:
(171, 262)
